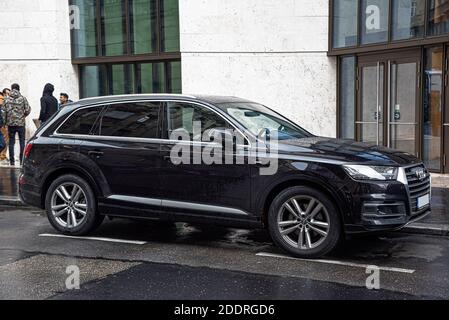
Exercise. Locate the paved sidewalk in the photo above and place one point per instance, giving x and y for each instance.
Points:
(435, 224)
(9, 182)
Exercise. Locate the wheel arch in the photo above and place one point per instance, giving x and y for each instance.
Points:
(269, 196)
(52, 176)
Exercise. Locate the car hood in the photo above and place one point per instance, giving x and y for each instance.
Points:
(343, 151)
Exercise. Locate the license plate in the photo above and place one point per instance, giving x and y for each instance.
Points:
(423, 201)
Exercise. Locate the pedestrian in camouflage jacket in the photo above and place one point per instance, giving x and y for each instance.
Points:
(15, 110)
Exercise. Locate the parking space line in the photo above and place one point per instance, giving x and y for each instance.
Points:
(140, 243)
(336, 262)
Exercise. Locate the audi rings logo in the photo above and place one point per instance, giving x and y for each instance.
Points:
(420, 174)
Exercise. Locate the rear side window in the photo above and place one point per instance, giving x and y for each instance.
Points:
(132, 120)
(81, 122)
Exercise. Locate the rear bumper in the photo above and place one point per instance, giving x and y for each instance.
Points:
(30, 194)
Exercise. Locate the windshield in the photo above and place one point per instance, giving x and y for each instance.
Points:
(260, 120)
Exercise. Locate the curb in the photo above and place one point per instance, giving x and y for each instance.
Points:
(441, 230)
(12, 202)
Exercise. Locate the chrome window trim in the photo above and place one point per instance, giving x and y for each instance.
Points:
(129, 139)
(56, 133)
(177, 204)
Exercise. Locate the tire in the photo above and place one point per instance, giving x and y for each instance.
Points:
(297, 234)
(59, 207)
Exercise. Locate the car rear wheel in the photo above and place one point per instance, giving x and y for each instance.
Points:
(304, 222)
(71, 206)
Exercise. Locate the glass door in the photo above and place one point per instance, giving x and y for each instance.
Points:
(371, 102)
(403, 113)
(433, 100)
(445, 81)
(388, 101)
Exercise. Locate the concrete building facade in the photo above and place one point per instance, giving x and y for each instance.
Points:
(265, 51)
(35, 49)
(375, 71)
(254, 49)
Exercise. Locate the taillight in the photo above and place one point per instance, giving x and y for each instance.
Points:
(28, 149)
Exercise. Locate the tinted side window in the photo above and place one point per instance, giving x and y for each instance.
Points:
(184, 115)
(81, 122)
(133, 120)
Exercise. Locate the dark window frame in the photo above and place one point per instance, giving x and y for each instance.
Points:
(339, 98)
(158, 54)
(390, 44)
(136, 79)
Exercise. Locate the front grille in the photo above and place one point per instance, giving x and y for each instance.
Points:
(418, 187)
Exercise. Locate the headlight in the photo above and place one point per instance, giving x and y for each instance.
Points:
(360, 172)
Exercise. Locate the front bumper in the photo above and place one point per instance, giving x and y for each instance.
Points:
(381, 206)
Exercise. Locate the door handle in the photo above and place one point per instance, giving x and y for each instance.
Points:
(96, 154)
(446, 125)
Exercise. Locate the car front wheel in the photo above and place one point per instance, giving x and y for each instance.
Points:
(304, 222)
(71, 206)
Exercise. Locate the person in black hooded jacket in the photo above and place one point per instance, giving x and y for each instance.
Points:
(49, 104)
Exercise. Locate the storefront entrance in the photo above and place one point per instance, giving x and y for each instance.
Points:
(401, 101)
(388, 97)
(393, 60)
(445, 81)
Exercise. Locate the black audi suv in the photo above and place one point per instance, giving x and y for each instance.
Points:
(158, 157)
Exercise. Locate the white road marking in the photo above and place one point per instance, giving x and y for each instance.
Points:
(335, 262)
(140, 243)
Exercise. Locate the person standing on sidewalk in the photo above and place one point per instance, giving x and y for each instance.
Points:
(64, 100)
(4, 129)
(49, 104)
(2, 138)
(6, 92)
(15, 109)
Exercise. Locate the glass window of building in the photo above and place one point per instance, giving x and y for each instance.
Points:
(143, 26)
(170, 25)
(374, 21)
(433, 102)
(93, 81)
(174, 73)
(347, 97)
(84, 34)
(113, 27)
(438, 17)
(345, 23)
(127, 28)
(114, 79)
(122, 78)
(408, 19)
(151, 78)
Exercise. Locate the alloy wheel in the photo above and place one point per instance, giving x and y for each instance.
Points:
(69, 205)
(303, 222)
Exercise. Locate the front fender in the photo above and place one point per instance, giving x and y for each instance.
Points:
(328, 180)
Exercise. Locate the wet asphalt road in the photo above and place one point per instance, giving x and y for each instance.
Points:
(202, 262)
